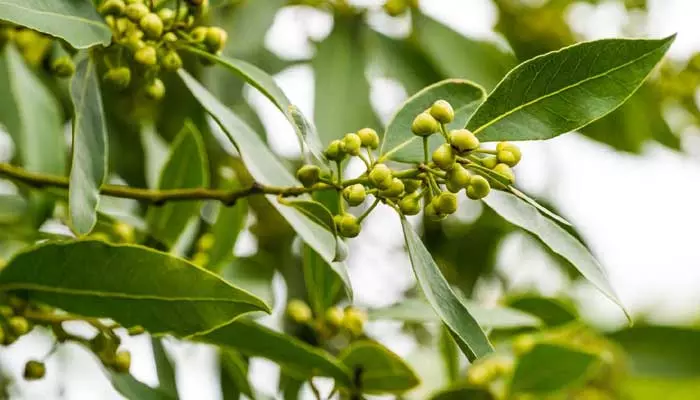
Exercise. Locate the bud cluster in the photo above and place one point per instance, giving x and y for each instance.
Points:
(38, 49)
(336, 321)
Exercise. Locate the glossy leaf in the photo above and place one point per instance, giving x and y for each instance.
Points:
(415, 310)
(164, 368)
(463, 392)
(295, 357)
(553, 312)
(527, 217)
(401, 144)
(39, 142)
(267, 169)
(548, 368)
(467, 332)
(12, 207)
(186, 168)
(544, 210)
(131, 284)
(566, 90)
(322, 285)
(313, 210)
(379, 369)
(253, 274)
(234, 375)
(131, 388)
(75, 21)
(89, 158)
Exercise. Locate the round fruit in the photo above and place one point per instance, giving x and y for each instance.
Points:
(445, 203)
(444, 157)
(508, 153)
(394, 190)
(152, 25)
(334, 151)
(63, 67)
(411, 185)
(146, 55)
(309, 175)
(354, 320)
(458, 178)
(334, 316)
(215, 39)
(122, 361)
(155, 90)
(18, 325)
(381, 176)
(505, 171)
(424, 125)
(409, 205)
(34, 370)
(348, 226)
(112, 7)
(355, 194)
(489, 162)
(352, 144)
(369, 138)
(299, 311)
(478, 188)
(119, 77)
(442, 111)
(136, 11)
(171, 61)
(464, 140)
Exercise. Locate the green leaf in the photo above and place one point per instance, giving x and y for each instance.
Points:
(401, 144)
(234, 375)
(527, 217)
(133, 389)
(230, 221)
(449, 353)
(553, 312)
(655, 388)
(415, 310)
(89, 159)
(314, 210)
(341, 100)
(12, 208)
(132, 285)
(322, 285)
(253, 274)
(463, 392)
(75, 21)
(164, 368)
(295, 357)
(39, 142)
(187, 167)
(266, 168)
(469, 336)
(379, 369)
(661, 351)
(456, 56)
(550, 368)
(544, 210)
(248, 21)
(566, 90)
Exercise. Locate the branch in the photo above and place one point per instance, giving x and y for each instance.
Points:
(158, 197)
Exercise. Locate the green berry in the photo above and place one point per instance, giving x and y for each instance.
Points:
(19, 325)
(34, 370)
(334, 151)
(444, 157)
(170, 37)
(369, 138)
(136, 11)
(395, 7)
(505, 171)
(479, 374)
(478, 187)
(167, 15)
(432, 214)
(146, 56)
(411, 185)
(206, 242)
(442, 111)
(458, 178)
(309, 175)
(464, 140)
(112, 7)
(445, 203)
(348, 226)
(199, 34)
(63, 67)
(352, 144)
(215, 39)
(171, 61)
(299, 311)
(354, 320)
(508, 153)
(155, 90)
(381, 176)
(133, 42)
(396, 188)
(424, 125)
(118, 77)
(355, 194)
(122, 362)
(409, 205)
(334, 316)
(152, 25)
(489, 162)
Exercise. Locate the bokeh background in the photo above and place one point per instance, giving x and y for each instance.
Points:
(629, 184)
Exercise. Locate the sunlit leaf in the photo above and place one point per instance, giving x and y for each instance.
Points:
(548, 368)
(379, 370)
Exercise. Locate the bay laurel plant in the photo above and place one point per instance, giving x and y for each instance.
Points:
(449, 143)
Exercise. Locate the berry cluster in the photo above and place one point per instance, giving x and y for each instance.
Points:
(335, 322)
(459, 163)
(38, 49)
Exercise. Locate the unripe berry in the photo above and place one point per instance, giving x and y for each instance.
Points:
(118, 77)
(171, 61)
(463, 140)
(170, 37)
(18, 325)
(424, 125)
(505, 171)
(124, 231)
(122, 25)
(442, 111)
(352, 144)
(206, 242)
(445, 203)
(334, 316)
(133, 42)
(155, 90)
(334, 151)
(167, 15)
(381, 176)
(354, 320)
(395, 7)
(122, 362)
(395, 190)
(479, 374)
(369, 138)
(489, 162)
(146, 56)
(63, 67)
(432, 214)
(444, 157)
(34, 370)
(478, 187)
(152, 25)
(215, 39)
(112, 7)
(355, 194)
(508, 153)
(411, 185)
(409, 205)
(199, 34)
(136, 11)
(348, 226)
(299, 311)
(309, 175)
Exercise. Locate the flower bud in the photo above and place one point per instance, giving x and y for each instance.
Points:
(155, 90)
(167, 16)
(171, 61)
(409, 205)
(348, 226)
(19, 325)
(354, 320)
(478, 187)
(146, 56)
(369, 138)
(63, 67)
(152, 25)
(34, 370)
(136, 11)
(334, 151)
(122, 362)
(444, 157)
(505, 171)
(396, 189)
(381, 176)
(445, 203)
(199, 34)
(299, 311)
(309, 175)
(442, 111)
(334, 316)
(508, 153)
(424, 125)
(458, 178)
(464, 140)
(112, 7)
(118, 77)
(432, 214)
(395, 7)
(489, 162)
(355, 194)
(170, 37)
(352, 144)
(215, 39)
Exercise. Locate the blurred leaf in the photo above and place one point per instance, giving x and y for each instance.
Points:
(379, 370)
(252, 274)
(12, 208)
(655, 388)
(234, 375)
(322, 286)
(548, 368)
(186, 168)
(89, 160)
(522, 214)
(538, 206)
(267, 170)
(133, 389)
(661, 351)
(469, 336)
(456, 56)
(342, 101)
(75, 21)
(449, 352)
(399, 141)
(229, 223)
(39, 141)
(247, 22)
(415, 310)
(553, 312)
(164, 368)
(131, 284)
(551, 94)
(294, 356)
(308, 134)
(463, 392)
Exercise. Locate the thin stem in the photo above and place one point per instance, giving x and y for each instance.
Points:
(341, 203)
(426, 157)
(443, 130)
(364, 159)
(368, 211)
(486, 151)
(370, 155)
